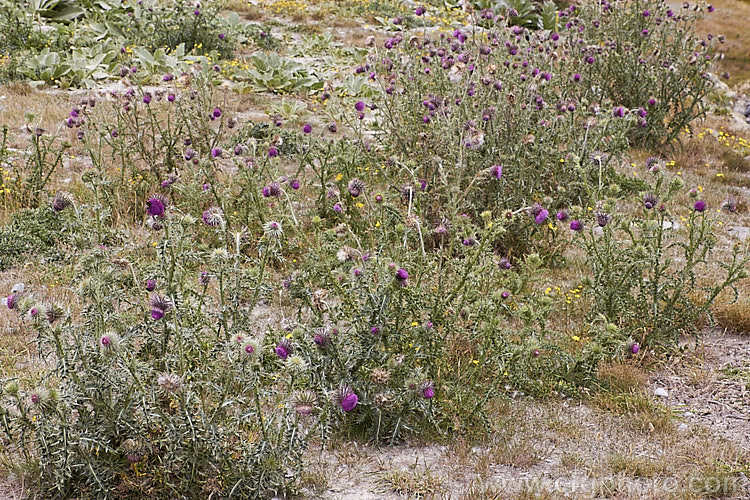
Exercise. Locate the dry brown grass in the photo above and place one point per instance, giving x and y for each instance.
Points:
(731, 18)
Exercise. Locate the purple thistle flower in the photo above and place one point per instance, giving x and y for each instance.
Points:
(159, 306)
(562, 215)
(156, 205)
(505, 295)
(402, 276)
(170, 97)
(427, 389)
(576, 225)
(496, 171)
(150, 285)
(337, 208)
(147, 98)
(273, 189)
(307, 128)
(618, 112)
(345, 398)
(699, 206)
(359, 106)
(421, 10)
(634, 348)
(216, 152)
(650, 200)
(356, 187)
(273, 152)
(283, 349)
(168, 77)
(504, 263)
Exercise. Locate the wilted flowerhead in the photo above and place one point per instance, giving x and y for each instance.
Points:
(213, 217)
(296, 364)
(356, 187)
(156, 205)
(61, 201)
(169, 382)
(504, 263)
(730, 205)
(133, 450)
(12, 301)
(345, 398)
(53, 311)
(304, 402)
(650, 200)
(603, 218)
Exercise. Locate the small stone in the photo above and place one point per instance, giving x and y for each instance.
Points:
(661, 392)
(688, 414)
(682, 427)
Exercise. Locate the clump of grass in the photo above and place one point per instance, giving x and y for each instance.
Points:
(418, 483)
(623, 393)
(636, 466)
(735, 316)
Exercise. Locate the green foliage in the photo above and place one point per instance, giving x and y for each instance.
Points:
(646, 269)
(271, 73)
(40, 232)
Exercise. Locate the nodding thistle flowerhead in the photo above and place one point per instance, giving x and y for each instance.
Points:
(427, 389)
(419, 11)
(496, 171)
(12, 301)
(284, 348)
(540, 214)
(562, 215)
(213, 217)
(110, 341)
(618, 112)
(402, 276)
(650, 200)
(322, 339)
(273, 229)
(576, 225)
(251, 348)
(603, 218)
(699, 206)
(730, 205)
(216, 152)
(272, 190)
(304, 402)
(356, 187)
(156, 205)
(61, 201)
(159, 305)
(345, 398)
